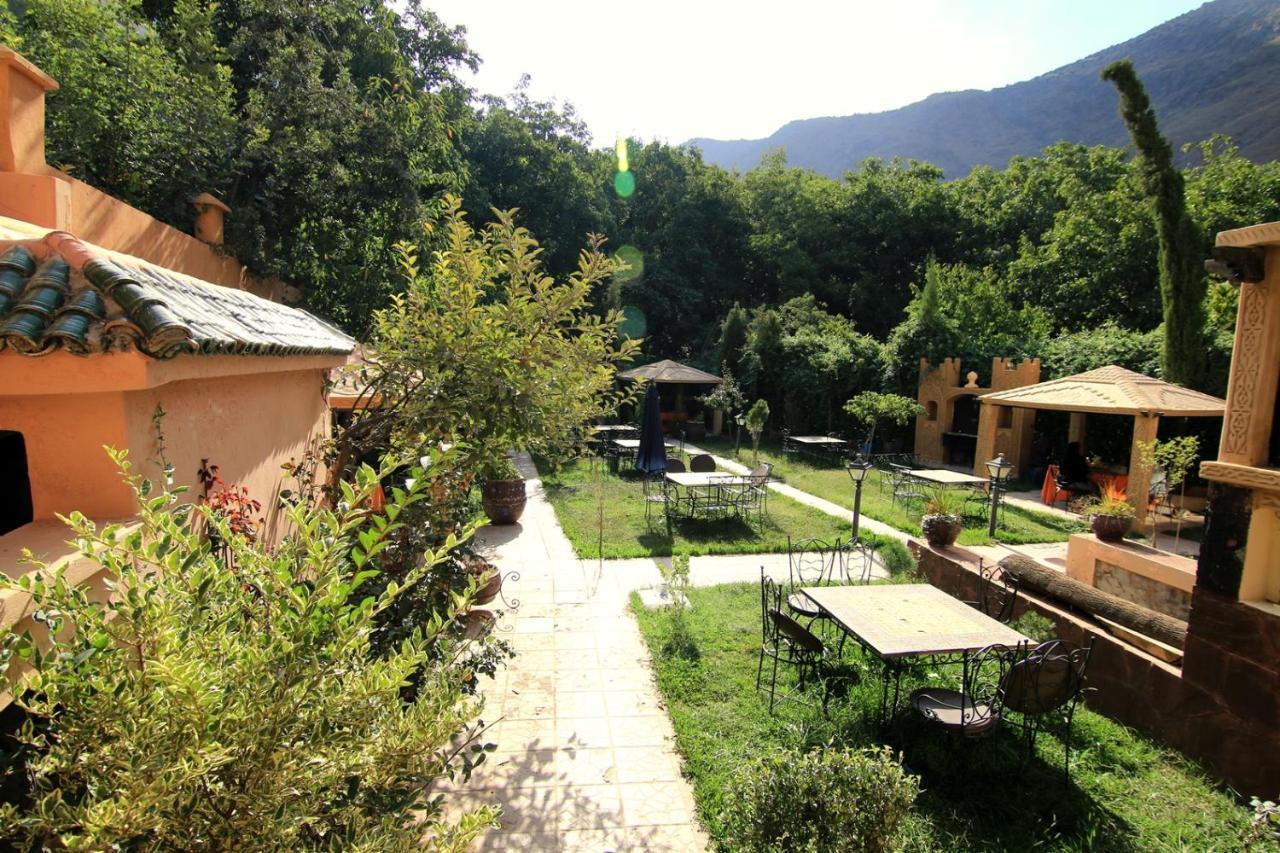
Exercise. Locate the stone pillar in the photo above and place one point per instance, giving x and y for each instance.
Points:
(1144, 430)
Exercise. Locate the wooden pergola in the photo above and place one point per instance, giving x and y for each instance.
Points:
(1113, 390)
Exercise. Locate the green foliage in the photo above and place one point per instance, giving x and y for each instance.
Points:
(757, 417)
(823, 801)
(215, 703)
(733, 339)
(485, 348)
(945, 502)
(1175, 456)
(144, 110)
(727, 396)
(1182, 279)
(1032, 624)
(1067, 355)
(873, 408)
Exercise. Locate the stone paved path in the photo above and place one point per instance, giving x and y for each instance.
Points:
(585, 758)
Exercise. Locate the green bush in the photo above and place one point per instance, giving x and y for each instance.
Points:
(826, 800)
(230, 698)
(897, 559)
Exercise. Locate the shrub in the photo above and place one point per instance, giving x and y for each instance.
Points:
(826, 800)
(237, 704)
(897, 559)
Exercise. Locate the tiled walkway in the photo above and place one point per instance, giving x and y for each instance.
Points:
(585, 759)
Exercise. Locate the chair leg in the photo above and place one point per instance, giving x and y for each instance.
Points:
(773, 684)
(759, 668)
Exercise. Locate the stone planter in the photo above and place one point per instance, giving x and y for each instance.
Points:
(941, 531)
(503, 500)
(1110, 528)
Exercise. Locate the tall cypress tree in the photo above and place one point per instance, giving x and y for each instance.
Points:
(1182, 283)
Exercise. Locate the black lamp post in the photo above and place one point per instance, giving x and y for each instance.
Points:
(999, 469)
(857, 469)
(738, 419)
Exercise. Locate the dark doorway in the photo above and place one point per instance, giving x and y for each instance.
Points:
(15, 484)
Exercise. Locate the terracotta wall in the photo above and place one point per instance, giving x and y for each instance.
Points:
(247, 425)
(66, 464)
(1232, 725)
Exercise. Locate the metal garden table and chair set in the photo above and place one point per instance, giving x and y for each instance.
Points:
(703, 493)
(994, 675)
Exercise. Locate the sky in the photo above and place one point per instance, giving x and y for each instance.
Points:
(676, 69)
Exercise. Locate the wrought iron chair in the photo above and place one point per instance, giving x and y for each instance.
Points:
(973, 710)
(1044, 689)
(703, 463)
(905, 485)
(758, 481)
(657, 493)
(997, 592)
(788, 446)
(809, 563)
(854, 561)
(783, 640)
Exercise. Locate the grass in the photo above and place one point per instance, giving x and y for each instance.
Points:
(582, 499)
(1017, 526)
(1126, 793)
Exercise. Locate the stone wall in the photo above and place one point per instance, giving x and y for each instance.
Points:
(1225, 711)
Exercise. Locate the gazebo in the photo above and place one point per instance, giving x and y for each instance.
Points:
(676, 378)
(1113, 390)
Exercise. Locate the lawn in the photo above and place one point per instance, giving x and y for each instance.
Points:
(1126, 793)
(593, 504)
(1017, 526)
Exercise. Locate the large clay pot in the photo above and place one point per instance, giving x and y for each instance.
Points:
(489, 578)
(503, 500)
(1110, 528)
(941, 531)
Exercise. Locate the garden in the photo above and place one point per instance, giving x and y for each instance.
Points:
(753, 781)
(1017, 526)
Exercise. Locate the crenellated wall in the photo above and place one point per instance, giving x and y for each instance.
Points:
(999, 429)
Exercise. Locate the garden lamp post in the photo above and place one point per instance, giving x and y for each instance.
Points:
(857, 469)
(999, 469)
(739, 419)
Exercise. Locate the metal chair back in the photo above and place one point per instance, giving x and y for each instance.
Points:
(703, 463)
(997, 592)
(855, 560)
(796, 635)
(1049, 677)
(809, 561)
(770, 602)
(674, 466)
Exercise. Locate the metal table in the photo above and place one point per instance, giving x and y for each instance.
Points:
(897, 622)
(703, 488)
(823, 446)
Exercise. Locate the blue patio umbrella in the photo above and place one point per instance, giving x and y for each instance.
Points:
(651, 458)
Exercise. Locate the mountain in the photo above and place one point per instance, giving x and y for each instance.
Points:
(1212, 70)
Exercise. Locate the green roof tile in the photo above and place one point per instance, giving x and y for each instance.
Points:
(116, 306)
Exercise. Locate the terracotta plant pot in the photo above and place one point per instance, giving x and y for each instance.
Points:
(489, 577)
(941, 531)
(503, 500)
(1110, 528)
(477, 623)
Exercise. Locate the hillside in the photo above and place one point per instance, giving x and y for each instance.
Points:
(1212, 70)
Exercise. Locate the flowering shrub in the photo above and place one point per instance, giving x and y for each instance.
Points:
(201, 708)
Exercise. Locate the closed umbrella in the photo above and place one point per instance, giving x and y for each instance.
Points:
(652, 455)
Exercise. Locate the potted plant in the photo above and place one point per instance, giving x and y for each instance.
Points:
(488, 350)
(1110, 516)
(502, 492)
(488, 578)
(942, 522)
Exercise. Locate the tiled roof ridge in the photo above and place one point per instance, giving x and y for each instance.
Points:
(158, 312)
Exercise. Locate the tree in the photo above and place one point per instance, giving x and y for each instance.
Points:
(757, 417)
(238, 703)
(873, 408)
(1182, 279)
(733, 338)
(486, 349)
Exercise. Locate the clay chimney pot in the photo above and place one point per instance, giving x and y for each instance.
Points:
(210, 213)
